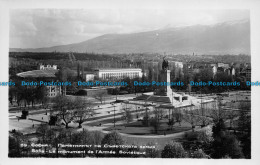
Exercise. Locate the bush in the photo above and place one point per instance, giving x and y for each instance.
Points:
(227, 145)
(24, 114)
(200, 154)
(155, 123)
(14, 147)
(113, 138)
(53, 120)
(173, 150)
(152, 152)
(145, 121)
(192, 136)
(205, 136)
(98, 136)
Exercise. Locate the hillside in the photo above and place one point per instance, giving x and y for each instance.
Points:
(223, 38)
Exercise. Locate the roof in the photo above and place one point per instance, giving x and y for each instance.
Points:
(119, 69)
(50, 73)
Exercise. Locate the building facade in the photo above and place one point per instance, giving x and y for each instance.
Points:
(43, 67)
(44, 73)
(118, 73)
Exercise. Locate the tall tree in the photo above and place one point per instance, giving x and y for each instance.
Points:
(63, 106)
(82, 111)
(127, 114)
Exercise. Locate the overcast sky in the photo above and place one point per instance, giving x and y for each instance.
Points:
(34, 28)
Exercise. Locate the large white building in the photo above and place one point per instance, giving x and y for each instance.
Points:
(118, 73)
(47, 67)
(44, 73)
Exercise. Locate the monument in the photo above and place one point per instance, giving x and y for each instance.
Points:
(166, 90)
(164, 97)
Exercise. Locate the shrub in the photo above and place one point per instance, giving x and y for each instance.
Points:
(205, 136)
(227, 145)
(152, 152)
(200, 154)
(113, 138)
(173, 150)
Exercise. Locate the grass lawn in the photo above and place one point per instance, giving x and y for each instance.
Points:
(136, 128)
(106, 121)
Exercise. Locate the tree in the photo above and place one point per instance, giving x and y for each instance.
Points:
(171, 122)
(244, 125)
(100, 96)
(63, 75)
(16, 149)
(42, 130)
(152, 152)
(244, 121)
(113, 138)
(218, 128)
(178, 117)
(217, 113)
(227, 144)
(231, 115)
(41, 94)
(205, 136)
(155, 123)
(173, 150)
(82, 111)
(200, 154)
(191, 118)
(63, 106)
(127, 114)
(98, 136)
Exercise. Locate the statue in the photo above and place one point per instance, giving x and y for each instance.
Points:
(165, 64)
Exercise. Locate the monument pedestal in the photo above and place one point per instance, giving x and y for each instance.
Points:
(166, 90)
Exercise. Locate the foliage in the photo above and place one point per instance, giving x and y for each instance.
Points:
(218, 128)
(244, 126)
(14, 147)
(155, 123)
(205, 136)
(63, 105)
(227, 144)
(152, 152)
(82, 111)
(127, 114)
(200, 154)
(100, 96)
(113, 138)
(173, 150)
(191, 118)
(146, 120)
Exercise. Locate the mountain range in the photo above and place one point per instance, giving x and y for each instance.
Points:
(222, 38)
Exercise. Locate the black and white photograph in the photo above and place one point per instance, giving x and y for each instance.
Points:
(136, 82)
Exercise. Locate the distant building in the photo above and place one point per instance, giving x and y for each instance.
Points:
(47, 73)
(90, 76)
(247, 73)
(47, 67)
(118, 73)
(223, 65)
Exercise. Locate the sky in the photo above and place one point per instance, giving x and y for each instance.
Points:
(36, 28)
